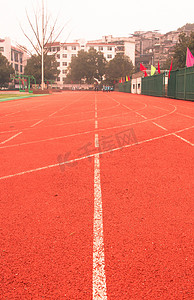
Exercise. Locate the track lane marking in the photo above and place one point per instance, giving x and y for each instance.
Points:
(11, 138)
(159, 126)
(36, 123)
(91, 131)
(92, 155)
(99, 277)
(180, 137)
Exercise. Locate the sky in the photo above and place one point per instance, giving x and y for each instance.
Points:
(90, 20)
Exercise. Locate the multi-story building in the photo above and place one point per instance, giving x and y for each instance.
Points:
(65, 51)
(124, 45)
(14, 55)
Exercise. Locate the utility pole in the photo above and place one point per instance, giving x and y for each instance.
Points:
(42, 45)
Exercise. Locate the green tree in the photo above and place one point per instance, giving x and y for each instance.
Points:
(5, 71)
(118, 67)
(88, 66)
(33, 67)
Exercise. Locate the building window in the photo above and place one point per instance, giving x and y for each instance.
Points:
(73, 48)
(12, 55)
(58, 64)
(65, 48)
(64, 63)
(20, 59)
(53, 49)
(109, 48)
(15, 56)
(100, 48)
(16, 67)
(64, 71)
(109, 56)
(58, 49)
(1, 49)
(58, 56)
(64, 55)
(58, 78)
(21, 69)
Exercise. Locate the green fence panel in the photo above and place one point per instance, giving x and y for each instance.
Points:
(153, 85)
(172, 85)
(125, 87)
(181, 84)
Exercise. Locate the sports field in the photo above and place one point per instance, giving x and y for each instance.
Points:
(96, 197)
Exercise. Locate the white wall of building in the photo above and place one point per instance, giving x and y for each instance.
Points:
(136, 85)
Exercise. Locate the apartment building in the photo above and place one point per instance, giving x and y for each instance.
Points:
(14, 55)
(123, 45)
(65, 51)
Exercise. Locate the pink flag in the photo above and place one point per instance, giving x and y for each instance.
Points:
(189, 59)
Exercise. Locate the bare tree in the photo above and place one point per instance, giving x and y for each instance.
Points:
(44, 31)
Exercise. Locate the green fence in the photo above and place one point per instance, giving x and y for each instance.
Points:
(153, 85)
(125, 87)
(181, 84)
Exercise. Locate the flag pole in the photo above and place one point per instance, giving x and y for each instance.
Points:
(42, 81)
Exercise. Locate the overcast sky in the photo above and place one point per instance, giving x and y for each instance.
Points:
(91, 19)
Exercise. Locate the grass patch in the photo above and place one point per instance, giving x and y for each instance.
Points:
(5, 96)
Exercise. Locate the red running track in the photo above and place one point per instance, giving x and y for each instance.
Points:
(96, 197)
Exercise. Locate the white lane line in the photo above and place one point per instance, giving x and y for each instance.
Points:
(96, 124)
(141, 115)
(65, 106)
(96, 141)
(99, 276)
(160, 126)
(185, 115)
(92, 155)
(36, 123)
(180, 137)
(160, 108)
(11, 138)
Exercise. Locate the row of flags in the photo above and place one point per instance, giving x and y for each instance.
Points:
(189, 63)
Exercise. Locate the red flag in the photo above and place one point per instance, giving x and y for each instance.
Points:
(159, 68)
(145, 74)
(142, 68)
(129, 78)
(170, 69)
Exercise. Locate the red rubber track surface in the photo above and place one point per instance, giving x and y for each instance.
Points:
(47, 208)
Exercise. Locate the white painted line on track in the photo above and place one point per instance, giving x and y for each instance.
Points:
(96, 124)
(159, 126)
(36, 123)
(180, 137)
(185, 115)
(141, 115)
(91, 131)
(11, 138)
(99, 276)
(161, 108)
(92, 155)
